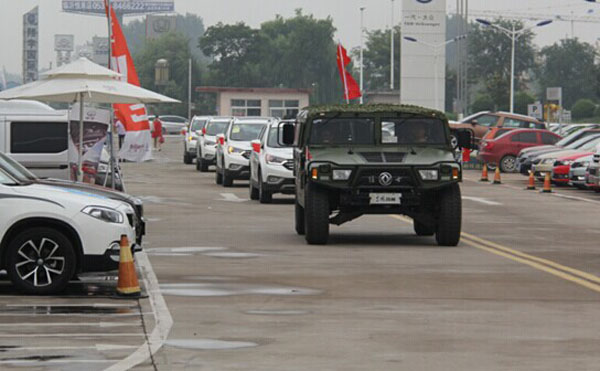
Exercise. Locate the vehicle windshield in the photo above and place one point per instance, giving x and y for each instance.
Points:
(15, 169)
(272, 139)
(246, 132)
(6, 179)
(580, 142)
(197, 125)
(340, 131)
(413, 131)
(216, 127)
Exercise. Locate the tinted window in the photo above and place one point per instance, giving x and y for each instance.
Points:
(38, 137)
(549, 138)
(214, 128)
(343, 131)
(528, 137)
(513, 123)
(173, 119)
(246, 132)
(500, 132)
(487, 120)
(198, 125)
(413, 131)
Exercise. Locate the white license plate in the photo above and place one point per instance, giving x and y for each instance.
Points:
(385, 198)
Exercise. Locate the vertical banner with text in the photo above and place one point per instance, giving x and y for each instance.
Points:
(30, 45)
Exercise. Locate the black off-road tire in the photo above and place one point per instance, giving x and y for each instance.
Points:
(449, 216)
(218, 177)
(264, 196)
(187, 158)
(253, 191)
(65, 250)
(316, 215)
(299, 219)
(227, 180)
(422, 229)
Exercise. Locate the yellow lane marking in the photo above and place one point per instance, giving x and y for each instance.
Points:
(574, 275)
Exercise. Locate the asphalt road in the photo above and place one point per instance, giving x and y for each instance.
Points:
(244, 292)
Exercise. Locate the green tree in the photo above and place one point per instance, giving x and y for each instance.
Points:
(376, 55)
(490, 60)
(174, 47)
(583, 109)
(522, 101)
(483, 102)
(570, 65)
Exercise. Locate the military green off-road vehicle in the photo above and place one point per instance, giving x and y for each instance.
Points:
(376, 159)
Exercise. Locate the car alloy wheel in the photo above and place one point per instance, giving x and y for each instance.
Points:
(508, 164)
(39, 263)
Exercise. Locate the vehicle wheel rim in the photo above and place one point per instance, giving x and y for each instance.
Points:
(38, 264)
(508, 163)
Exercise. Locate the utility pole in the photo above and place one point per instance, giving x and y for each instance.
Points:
(362, 31)
(190, 90)
(392, 49)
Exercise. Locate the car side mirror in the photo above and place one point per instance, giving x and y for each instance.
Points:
(465, 138)
(256, 145)
(288, 133)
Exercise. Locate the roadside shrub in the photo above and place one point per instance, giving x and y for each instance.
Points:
(583, 108)
(483, 102)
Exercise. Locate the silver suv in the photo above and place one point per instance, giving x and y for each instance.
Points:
(207, 144)
(271, 166)
(192, 133)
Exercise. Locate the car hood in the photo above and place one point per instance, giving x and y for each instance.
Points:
(575, 156)
(66, 197)
(536, 154)
(287, 153)
(88, 188)
(239, 144)
(370, 155)
(558, 154)
(537, 148)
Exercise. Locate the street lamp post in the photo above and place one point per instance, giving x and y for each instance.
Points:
(362, 31)
(436, 48)
(392, 49)
(514, 36)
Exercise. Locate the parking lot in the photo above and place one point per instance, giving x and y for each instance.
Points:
(230, 286)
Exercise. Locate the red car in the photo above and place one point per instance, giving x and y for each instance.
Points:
(562, 166)
(504, 149)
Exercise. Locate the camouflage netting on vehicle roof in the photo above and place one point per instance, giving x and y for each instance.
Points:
(375, 108)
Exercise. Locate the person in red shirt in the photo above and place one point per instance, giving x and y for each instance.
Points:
(157, 134)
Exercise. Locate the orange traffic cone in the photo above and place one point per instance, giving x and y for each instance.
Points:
(484, 173)
(531, 184)
(128, 282)
(497, 179)
(547, 184)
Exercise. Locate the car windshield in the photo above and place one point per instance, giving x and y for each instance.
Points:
(272, 139)
(413, 131)
(340, 131)
(246, 132)
(6, 179)
(580, 142)
(197, 125)
(216, 127)
(15, 169)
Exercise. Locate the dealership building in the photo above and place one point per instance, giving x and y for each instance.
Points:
(276, 102)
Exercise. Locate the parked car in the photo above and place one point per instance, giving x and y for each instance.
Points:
(527, 156)
(271, 166)
(593, 172)
(494, 133)
(481, 122)
(192, 133)
(19, 172)
(578, 173)
(503, 150)
(562, 167)
(48, 234)
(234, 148)
(172, 124)
(545, 163)
(207, 144)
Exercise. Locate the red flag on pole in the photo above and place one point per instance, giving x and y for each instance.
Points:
(351, 88)
(137, 144)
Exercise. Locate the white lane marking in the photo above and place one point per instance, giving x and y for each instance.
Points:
(18, 314)
(97, 347)
(53, 361)
(71, 324)
(576, 198)
(231, 197)
(79, 335)
(162, 319)
(481, 200)
(95, 305)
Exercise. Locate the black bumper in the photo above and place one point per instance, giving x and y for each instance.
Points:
(285, 186)
(242, 173)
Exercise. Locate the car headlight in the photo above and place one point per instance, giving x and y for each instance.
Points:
(233, 149)
(429, 174)
(104, 213)
(274, 159)
(339, 174)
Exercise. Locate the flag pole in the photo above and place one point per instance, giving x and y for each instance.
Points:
(343, 73)
(111, 167)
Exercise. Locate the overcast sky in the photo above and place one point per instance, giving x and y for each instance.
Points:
(345, 14)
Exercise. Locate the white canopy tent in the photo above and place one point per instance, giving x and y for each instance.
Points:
(84, 81)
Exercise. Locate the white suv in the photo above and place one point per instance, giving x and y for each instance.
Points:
(207, 143)
(192, 133)
(271, 167)
(48, 234)
(233, 148)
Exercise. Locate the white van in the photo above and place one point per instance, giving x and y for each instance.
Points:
(35, 135)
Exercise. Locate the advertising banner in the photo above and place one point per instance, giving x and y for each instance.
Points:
(30, 45)
(423, 66)
(95, 126)
(120, 6)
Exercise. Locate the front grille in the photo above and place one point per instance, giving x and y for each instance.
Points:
(289, 165)
(370, 178)
(383, 156)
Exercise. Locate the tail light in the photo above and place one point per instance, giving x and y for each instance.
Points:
(488, 145)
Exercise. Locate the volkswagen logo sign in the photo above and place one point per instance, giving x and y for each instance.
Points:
(385, 179)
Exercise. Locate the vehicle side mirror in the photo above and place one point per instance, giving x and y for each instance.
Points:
(465, 138)
(288, 133)
(256, 145)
